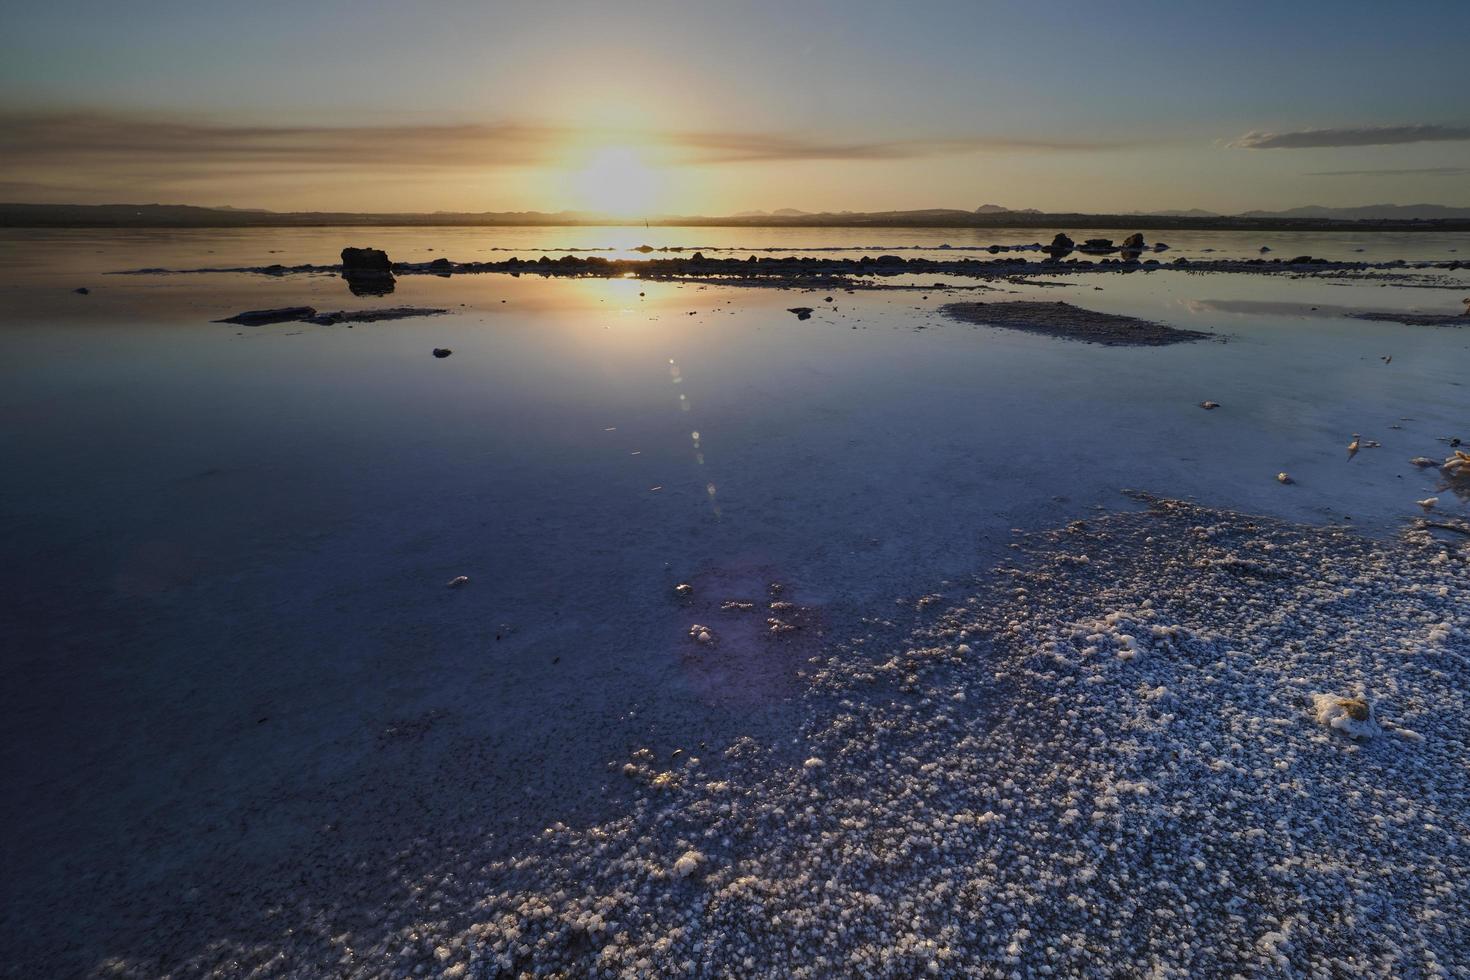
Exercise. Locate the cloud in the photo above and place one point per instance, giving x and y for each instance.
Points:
(119, 143)
(1359, 136)
(1416, 171)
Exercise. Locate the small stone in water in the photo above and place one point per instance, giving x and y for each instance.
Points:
(458, 581)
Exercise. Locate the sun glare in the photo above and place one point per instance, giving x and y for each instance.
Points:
(617, 180)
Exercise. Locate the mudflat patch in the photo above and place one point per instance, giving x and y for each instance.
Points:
(1071, 322)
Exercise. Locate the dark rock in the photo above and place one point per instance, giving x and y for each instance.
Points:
(1060, 245)
(442, 352)
(257, 318)
(81, 291)
(441, 265)
(366, 261)
(1300, 260)
(1134, 241)
(368, 271)
(802, 312)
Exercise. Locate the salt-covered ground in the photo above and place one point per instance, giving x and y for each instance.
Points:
(1103, 758)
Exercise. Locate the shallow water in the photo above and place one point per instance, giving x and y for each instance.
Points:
(229, 637)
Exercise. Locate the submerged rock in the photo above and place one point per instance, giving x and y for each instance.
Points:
(284, 314)
(1070, 322)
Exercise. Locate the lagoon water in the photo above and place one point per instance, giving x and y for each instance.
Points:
(229, 648)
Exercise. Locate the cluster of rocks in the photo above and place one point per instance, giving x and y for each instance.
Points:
(1133, 246)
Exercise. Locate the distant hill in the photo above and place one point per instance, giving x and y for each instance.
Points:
(1190, 213)
(1418, 217)
(1370, 212)
(997, 209)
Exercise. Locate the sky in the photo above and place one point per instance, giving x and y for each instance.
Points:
(637, 107)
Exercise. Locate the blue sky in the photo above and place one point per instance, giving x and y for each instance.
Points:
(736, 105)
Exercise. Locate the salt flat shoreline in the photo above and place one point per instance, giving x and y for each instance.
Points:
(1101, 757)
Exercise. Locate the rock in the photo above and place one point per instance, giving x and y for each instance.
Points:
(81, 291)
(442, 352)
(1134, 242)
(1428, 502)
(683, 590)
(1181, 261)
(1283, 478)
(802, 312)
(1265, 249)
(1423, 462)
(459, 581)
(1060, 245)
(889, 260)
(1208, 406)
(1353, 716)
(365, 260)
(441, 265)
(368, 271)
(687, 864)
(1458, 465)
(1301, 260)
(257, 318)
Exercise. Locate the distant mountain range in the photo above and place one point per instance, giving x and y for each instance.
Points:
(1370, 212)
(1385, 216)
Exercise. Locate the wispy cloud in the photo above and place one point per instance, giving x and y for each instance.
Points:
(120, 142)
(1352, 136)
(1411, 171)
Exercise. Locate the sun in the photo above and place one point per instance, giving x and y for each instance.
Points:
(616, 180)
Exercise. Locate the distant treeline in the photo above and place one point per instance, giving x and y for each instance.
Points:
(186, 216)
